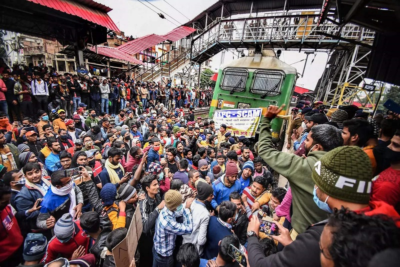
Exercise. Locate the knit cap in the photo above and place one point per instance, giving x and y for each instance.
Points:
(22, 147)
(175, 129)
(64, 229)
(172, 199)
(76, 117)
(69, 122)
(34, 247)
(249, 164)
(216, 169)
(202, 163)
(204, 190)
(125, 192)
(24, 157)
(155, 168)
(345, 173)
(339, 116)
(108, 193)
(231, 169)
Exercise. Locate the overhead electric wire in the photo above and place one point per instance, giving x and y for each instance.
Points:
(176, 9)
(157, 13)
(164, 12)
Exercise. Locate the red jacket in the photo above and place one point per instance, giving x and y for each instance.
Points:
(56, 249)
(387, 187)
(10, 233)
(380, 207)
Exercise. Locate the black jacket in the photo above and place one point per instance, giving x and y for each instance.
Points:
(302, 252)
(240, 228)
(74, 84)
(100, 243)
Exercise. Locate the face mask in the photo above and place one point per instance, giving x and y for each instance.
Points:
(204, 173)
(123, 150)
(392, 156)
(67, 188)
(93, 115)
(92, 162)
(20, 182)
(216, 142)
(179, 208)
(45, 118)
(98, 156)
(161, 176)
(156, 148)
(122, 115)
(127, 138)
(88, 144)
(64, 137)
(3, 122)
(322, 205)
(25, 125)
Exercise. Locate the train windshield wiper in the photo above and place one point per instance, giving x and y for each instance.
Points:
(237, 86)
(265, 95)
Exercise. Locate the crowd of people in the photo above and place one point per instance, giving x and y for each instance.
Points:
(72, 178)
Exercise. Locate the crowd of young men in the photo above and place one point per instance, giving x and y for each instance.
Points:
(71, 180)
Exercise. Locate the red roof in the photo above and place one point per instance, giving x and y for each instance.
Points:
(142, 43)
(85, 9)
(355, 103)
(178, 33)
(115, 53)
(300, 90)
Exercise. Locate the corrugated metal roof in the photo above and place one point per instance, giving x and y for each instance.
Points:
(85, 9)
(142, 43)
(178, 33)
(115, 53)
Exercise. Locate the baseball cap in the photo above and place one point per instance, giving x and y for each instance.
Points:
(306, 110)
(60, 110)
(317, 118)
(82, 105)
(30, 133)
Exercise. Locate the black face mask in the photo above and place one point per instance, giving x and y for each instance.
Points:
(392, 156)
(122, 114)
(139, 156)
(204, 173)
(92, 163)
(127, 138)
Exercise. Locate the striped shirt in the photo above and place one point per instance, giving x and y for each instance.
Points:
(167, 228)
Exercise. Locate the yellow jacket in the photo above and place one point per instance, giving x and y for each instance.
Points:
(59, 124)
(117, 218)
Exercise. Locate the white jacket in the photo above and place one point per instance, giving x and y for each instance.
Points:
(201, 217)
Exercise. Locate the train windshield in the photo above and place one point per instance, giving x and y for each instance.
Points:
(234, 79)
(267, 83)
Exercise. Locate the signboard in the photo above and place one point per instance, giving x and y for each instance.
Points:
(124, 252)
(369, 87)
(243, 122)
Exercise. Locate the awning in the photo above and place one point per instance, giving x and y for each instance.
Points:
(112, 52)
(140, 44)
(301, 90)
(178, 33)
(214, 77)
(85, 9)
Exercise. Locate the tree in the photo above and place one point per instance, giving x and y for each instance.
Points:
(393, 94)
(205, 79)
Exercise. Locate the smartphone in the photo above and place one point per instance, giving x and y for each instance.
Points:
(72, 172)
(237, 254)
(268, 228)
(392, 106)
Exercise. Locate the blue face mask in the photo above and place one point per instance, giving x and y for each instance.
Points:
(216, 142)
(161, 176)
(45, 118)
(322, 205)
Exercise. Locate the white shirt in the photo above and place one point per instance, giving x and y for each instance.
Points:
(73, 136)
(201, 218)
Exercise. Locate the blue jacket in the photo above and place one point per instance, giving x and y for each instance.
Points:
(152, 157)
(222, 192)
(118, 122)
(52, 201)
(105, 177)
(215, 232)
(136, 135)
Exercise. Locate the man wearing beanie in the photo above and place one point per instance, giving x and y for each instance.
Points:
(226, 184)
(68, 237)
(116, 213)
(167, 228)
(342, 178)
(34, 248)
(320, 140)
(201, 217)
(245, 176)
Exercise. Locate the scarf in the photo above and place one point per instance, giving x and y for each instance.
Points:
(67, 190)
(38, 187)
(114, 178)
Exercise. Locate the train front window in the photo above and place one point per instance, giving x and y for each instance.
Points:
(267, 83)
(234, 79)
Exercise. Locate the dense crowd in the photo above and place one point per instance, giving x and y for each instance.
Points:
(73, 177)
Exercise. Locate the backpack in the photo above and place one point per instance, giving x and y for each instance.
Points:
(105, 221)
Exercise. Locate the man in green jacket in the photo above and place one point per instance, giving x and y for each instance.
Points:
(91, 119)
(298, 170)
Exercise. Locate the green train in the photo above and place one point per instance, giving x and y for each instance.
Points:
(255, 82)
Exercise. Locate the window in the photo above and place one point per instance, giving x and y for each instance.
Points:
(234, 79)
(267, 83)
